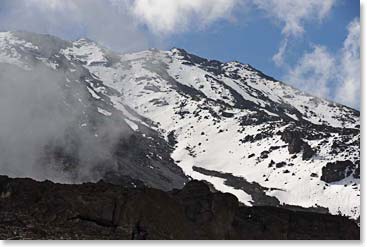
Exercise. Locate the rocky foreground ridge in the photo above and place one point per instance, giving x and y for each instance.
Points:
(47, 210)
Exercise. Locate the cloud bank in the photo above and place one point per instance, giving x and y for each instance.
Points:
(122, 19)
(125, 25)
(313, 72)
(109, 22)
(160, 16)
(335, 76)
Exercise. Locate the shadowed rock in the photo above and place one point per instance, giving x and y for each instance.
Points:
(335, 171)
(296, 144)
(45, 210)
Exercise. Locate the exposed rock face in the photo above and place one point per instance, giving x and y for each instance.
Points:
(257, 192)
(296, 144)
(308, 152)
(293, 138)
(336, 171)
(45, 210)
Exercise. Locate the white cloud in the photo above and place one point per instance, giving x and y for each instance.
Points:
(173, 16)
(293, 14)
(114, 23)
(278, 58)
(335, 76)
(313, 72)
(349, 89)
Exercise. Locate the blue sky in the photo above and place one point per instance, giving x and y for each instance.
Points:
(257, 40)
(313, 44)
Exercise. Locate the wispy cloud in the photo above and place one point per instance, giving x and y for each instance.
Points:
(331, 75)
(313, 72)
(278, 57)
(167, 16)
(293, 14)
(350, 77)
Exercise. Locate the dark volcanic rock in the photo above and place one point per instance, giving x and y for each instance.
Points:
(45, 210)
(335, 171)
(257, 192)
(293, 139)
(257, 118)
(289, 135)
(296, 144)
(271, 163)
(157, 170)
(308, 152)
(264, 154)
(172, 138)
(280, 164)
(227, 114)
(357, 170)
(125, 181)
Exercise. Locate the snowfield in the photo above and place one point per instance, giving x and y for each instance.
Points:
(224, 117)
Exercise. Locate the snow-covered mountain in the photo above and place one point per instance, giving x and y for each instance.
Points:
(227, 123)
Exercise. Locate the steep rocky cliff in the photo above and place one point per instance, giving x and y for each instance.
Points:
(45, 210)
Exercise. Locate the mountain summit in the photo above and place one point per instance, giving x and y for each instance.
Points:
(164, 117)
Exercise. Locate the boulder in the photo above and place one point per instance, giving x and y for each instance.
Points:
(336, 171)
(296, 144)
(308, 152)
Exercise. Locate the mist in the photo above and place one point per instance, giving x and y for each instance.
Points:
(110, 23)
(47, 127)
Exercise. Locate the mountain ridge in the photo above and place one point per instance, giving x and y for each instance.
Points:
(220, 117)
(46, 210)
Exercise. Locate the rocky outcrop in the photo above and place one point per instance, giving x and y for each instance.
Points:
(308, 152)
(255, 190)
(335, 171)
(45, 210)
(296, 144)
